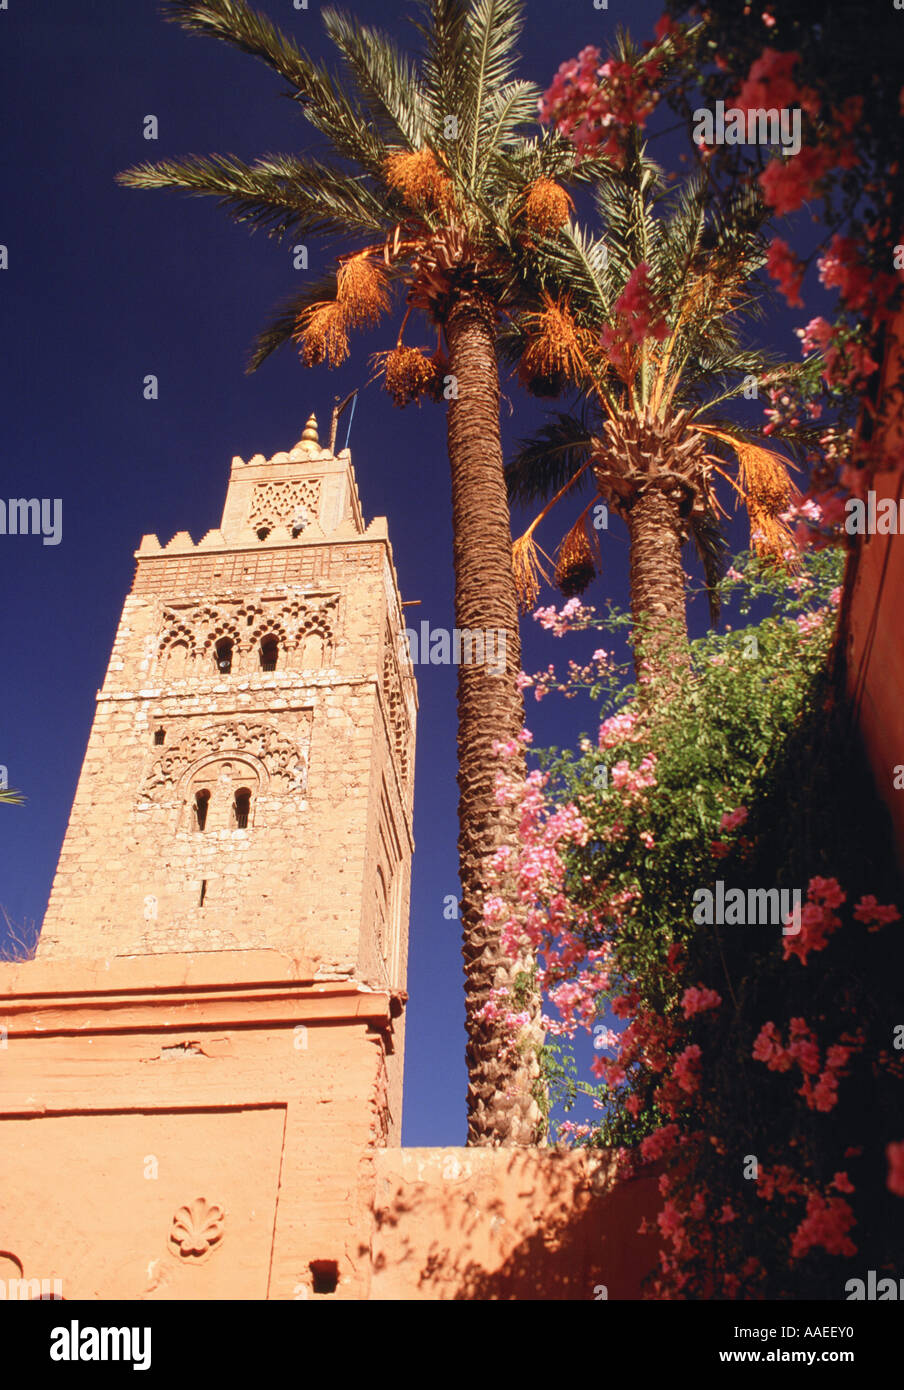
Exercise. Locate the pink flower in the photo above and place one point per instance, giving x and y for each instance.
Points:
(686, 1070)
(635, 306)
(659, 1143)
(768, 1048)
(818, 921)
(732, 819)
(619, 728)
(698, 999)
(594, 104)
(815, 337)
(826, 890)
(827, 1223)
(868, 910)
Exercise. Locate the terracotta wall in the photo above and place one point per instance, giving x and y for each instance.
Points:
(191, 1127)
(502, 1224)
(873, 613)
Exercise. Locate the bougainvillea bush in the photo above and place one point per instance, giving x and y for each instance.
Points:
(835, 205)
(758, 1065)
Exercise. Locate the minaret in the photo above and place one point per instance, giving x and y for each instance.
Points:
(212, 1029)
(248, 779)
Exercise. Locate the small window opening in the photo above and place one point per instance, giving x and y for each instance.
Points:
(269, 653)
(203, 893)
(241, 808)
(202, 802)
(263, 532)
(325, 1274)
(223, 652)
(159, 736)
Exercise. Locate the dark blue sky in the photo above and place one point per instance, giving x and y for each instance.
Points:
(106, 285)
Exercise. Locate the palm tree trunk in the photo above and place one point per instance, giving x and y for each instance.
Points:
(657, 585)
(502, 1087)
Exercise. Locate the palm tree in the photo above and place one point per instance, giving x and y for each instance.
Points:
(433, 188)
(646, 320)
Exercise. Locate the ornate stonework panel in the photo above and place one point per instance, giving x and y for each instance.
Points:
(395, 704)
(276, 757)
(303, 627)
(197, 1230)
(284, 504)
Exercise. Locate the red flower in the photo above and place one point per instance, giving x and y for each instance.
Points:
(868, 910)
(787, 268)
(769, 83)
(687, 1069)
(788, 183)
(842, 267)
(826, 1223)
(895, 1155)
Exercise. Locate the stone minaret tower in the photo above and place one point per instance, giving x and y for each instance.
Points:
(211, 1032)
(248, 779)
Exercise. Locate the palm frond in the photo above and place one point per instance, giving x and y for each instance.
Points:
(385, 78)
(493, 28)
(510, 108)
(543, 463)
(282, 326)
(323, 100)
(282, 194)
(446, 40)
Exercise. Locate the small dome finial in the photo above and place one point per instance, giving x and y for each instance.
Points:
(309, 433)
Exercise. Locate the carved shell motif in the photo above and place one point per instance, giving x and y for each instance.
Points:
(197, 1229)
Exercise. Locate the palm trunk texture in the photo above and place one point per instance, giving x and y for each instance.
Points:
(503, 1107)
(657, 585)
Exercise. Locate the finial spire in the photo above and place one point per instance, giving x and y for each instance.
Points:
(309, 443)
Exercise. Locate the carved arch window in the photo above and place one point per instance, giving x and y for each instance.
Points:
(220, 793)
(177, 657)
(241, 808)
(269, 650)
(224, 654)
(200, 806)
(315, 641)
